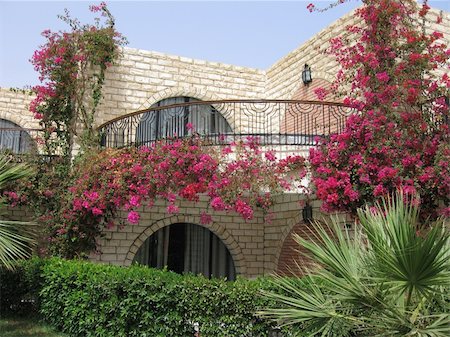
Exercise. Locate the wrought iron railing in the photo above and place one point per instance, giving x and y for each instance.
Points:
(274, 122)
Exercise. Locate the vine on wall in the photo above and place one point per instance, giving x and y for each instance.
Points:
(72, 68)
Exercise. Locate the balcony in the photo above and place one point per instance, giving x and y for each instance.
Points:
(275, 122)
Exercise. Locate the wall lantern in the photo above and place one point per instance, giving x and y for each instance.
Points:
(306, 75)
(307, 213)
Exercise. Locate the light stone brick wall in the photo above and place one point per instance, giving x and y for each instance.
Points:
(14, 107)
(244, 240)
(254, 245)
(17, 213)
(284, 77)
(143, 78)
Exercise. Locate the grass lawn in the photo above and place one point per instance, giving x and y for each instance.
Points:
(25, 327)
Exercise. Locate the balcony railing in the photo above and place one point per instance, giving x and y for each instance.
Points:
(274, 122)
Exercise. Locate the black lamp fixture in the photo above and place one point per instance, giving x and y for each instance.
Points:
(306, 75)
(307, 213)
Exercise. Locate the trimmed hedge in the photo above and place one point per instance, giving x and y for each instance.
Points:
(86, 299)
(19, 288)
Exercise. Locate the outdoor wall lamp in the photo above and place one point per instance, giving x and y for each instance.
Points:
(306, 75)
(307, 213)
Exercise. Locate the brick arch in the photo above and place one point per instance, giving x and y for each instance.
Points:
(196, 93)
(228, 240)
(17, 119)
(290, 257)
(287, 230)
(177, 92)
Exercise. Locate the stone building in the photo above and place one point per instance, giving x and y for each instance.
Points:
(219, 99)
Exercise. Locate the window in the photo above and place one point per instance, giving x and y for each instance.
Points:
(186, 248)
(170, 122)
(14, 138)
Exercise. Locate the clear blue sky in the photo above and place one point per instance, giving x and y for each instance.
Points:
(253, 33)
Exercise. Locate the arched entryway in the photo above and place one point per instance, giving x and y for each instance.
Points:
(186, 247)
(293, 258)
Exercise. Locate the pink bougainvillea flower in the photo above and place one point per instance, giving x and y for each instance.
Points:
(205, 218)
(383, 77)
(320, 93)
(133, 217)
(172, 209)
(134, 201)
(97, 211)
(189, 126)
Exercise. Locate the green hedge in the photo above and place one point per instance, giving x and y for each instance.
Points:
(87, 299)
(19, 288)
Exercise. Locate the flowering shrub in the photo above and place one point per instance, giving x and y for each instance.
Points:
(237, 178)
(400, 138)
(373, 158)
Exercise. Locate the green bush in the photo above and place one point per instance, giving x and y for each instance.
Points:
(87, 299)
(19, 288)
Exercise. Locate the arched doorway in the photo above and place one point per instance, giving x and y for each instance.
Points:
(185, 247)
(169, 122)
(293, 258)
(14, 138)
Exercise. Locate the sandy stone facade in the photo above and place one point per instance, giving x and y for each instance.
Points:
(14, 107)
(142, 78)
(255, 245)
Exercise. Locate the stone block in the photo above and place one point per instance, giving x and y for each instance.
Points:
(108, 257)
(122, 250)
(119, 236)
(108, 250)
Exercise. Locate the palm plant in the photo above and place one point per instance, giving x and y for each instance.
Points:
(386, 279)
(15, 239)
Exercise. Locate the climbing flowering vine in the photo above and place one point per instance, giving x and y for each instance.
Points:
(71, 67)
(396, 76)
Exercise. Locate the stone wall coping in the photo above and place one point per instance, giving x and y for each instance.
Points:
(158, 55)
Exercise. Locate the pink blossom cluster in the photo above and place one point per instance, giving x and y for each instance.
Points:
(172, 170)
(97, 8)
(63, 58)
(373, 158)
(387, 63)
(13, 198)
